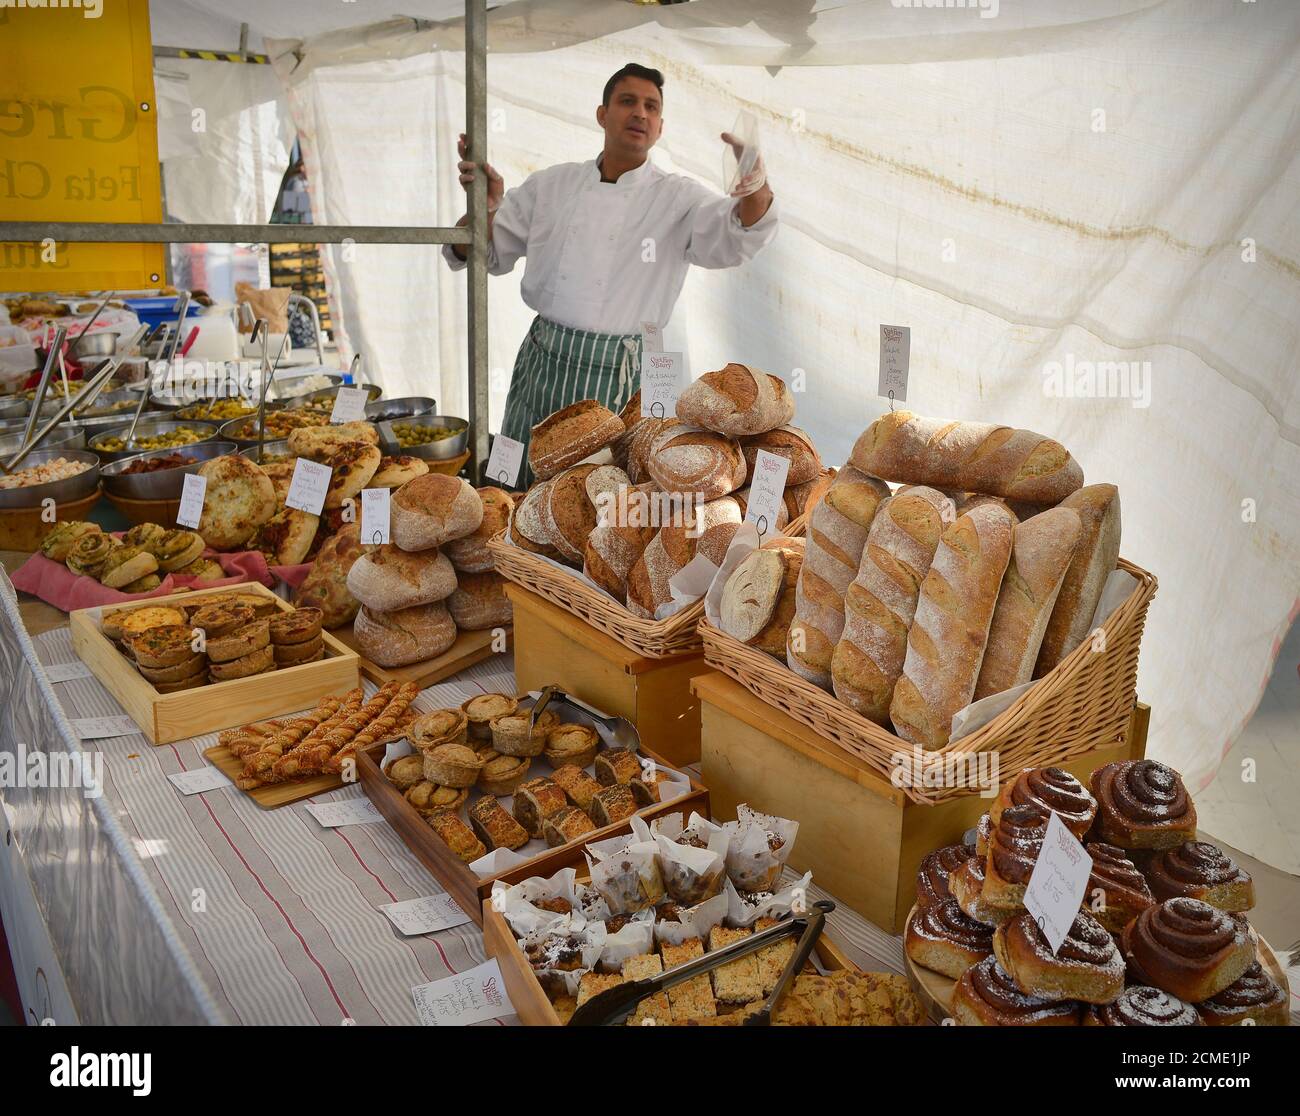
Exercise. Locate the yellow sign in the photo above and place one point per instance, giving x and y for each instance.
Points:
(78, 140)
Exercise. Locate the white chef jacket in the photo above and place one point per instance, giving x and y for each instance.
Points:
(607, 256)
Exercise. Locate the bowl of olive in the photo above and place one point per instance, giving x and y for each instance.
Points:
(432, 437)
(404, 407)
(273, 453)
(155, 434)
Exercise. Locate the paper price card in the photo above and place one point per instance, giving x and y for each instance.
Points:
(652, 338)
(375, 518)
(895, 359)
(309, 486)
(349, 404)
(425, 915)
(193, 491)
(200, 780)
(469, 997)
(355, 811)
(766, 492)
(661, 375)
(504, 461)
(1059, 879)
(66, 672)
(100, 728)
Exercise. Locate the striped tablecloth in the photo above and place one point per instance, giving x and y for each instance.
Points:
(278, 914)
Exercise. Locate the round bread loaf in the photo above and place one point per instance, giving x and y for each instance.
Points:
(470, 554)
(701, 462)
(527, 520)
(408, 635)
(238, 500)
(571, 434)
(569, 513)
(620, 538)
(326, 584)
(634, 450)
(736, 400)
(789, 442)
(709, 534)
(391, 578)
(480, 602)
(433, 509)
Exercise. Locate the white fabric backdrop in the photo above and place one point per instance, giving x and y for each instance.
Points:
(959, 179)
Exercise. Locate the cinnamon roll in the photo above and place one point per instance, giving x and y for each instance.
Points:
(983, 828)
(936, 867)
(1141, 1006)
(1253, 995)
(1188, 948)
(1200, 870)
(986, 996)
(1050, 788)
(1086, 967)
(1014, 845)
(1142, 804)
(1117, 892)
(942, 938)
(967, 887)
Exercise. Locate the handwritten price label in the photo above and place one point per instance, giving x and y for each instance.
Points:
(1058, 882)
(426, 914)
(895, 360)
(349, 405)
(193, 492)
(469, 997)
(375, 516)
(309, 486)
(504, 461)
(766, 492)
(661, 384)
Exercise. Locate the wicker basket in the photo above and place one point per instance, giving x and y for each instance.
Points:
(1085, 702)
(655, 639)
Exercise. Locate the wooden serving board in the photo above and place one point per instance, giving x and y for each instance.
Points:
(164, 718)
(469, 648)
(935, 989)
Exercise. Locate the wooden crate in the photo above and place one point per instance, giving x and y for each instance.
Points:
(164, 718)
(554, 645)
(862, 836)
(468, 888)
(529, 998)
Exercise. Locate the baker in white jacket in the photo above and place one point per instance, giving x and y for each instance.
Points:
(607, 244)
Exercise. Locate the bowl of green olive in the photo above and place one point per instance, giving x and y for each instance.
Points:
(432, 437)
(154, 434)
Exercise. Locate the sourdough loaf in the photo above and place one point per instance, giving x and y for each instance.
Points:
(736, 400)
(470, 554)
(433, 509)
(390, 578)
(568, 513)
(623, 530)
(407, 635)
(789, 442)
(571, 434)
(479, 601)
(684, 459)
(708, 533)
(759, 598)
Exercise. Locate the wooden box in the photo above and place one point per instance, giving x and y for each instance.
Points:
(468, 888)
(529, 998)
(553, 645)
(164, 718)
(861, 836)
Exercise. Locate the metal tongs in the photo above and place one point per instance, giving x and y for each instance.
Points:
(622, 730)
(260, 330)
(614, 1005)
(183, 306)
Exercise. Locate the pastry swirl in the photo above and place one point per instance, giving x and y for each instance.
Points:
(1254, 995)
(1142, 1006)
(1054, 789)
(1142, 804)
(1014, 844)
(1200, 870)
(1188, 948)
(1086, 967)
(1124, 889)
(987, 996)
(942, 938)
(936, 867)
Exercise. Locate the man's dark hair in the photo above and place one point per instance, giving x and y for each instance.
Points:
(636, 71)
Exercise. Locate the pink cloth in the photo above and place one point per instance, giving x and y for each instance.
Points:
(55, 584)
(293, 576)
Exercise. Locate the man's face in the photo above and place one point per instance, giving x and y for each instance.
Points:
(633, 118)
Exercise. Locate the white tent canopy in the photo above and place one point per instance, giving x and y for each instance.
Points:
(1066, 185)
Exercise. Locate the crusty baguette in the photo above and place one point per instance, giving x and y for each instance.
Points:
(1040, 556)
(974, 456)
(1095, 557)
(880, 604)
(945, 644)
(837, 532)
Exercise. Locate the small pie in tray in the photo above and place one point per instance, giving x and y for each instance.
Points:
(118, 625)
(244, 667)
(302, 625)
(166, 646)
(218, 620)
(253, 636)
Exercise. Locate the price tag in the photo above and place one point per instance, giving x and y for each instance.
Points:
(1057, 884)
(100, 728)
(661, 375)
(374, 516)
(504, 461)
(766, 492)
(355, 811)
(66, 672)
(349, 404)
(652, 338)
(309, 486)
(425, 915)
(895, 358)
(193, 491)
(469, 997)
(199, 780)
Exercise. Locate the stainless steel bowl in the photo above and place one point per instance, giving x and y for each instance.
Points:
(100, 344)
(164, 484)
(60, 491)
(373, 392)
(278, 448)
(14, 409)
(147, 428)
(113, 403)
(406, 406)
(441, 450)
(71, 437)
(243, 430)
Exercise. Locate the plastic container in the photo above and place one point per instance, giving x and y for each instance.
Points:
(155, 311)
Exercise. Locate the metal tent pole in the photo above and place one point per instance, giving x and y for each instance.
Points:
(476, 137)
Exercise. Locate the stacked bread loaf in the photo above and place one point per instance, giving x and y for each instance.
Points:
(910, 604)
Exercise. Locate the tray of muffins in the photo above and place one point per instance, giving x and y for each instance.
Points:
(1162, 937)
(211, 659)
(488, 792)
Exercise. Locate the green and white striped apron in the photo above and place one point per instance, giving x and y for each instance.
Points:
(557, 366)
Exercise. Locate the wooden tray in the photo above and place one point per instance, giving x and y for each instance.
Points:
(529, 998)
(24, 528)
(164, 718)
(466, 887)
(935, 989)
(469, 648)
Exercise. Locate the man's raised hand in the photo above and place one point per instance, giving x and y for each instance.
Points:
(496, 186)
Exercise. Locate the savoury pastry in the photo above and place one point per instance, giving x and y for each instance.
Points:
(405, 771)
(579, 787)
(257, 662)
(302, 625)
(617, 765)
(196, 664)
(456, 835)
(242, 641)
(143, 534)
(190, 683)
(452, 765)
(58, 544)
(125, 565)
(612, 805)
(220, 619)
(238, 500)
(293, 654)
(502, 775)
(511, 736)
(176, 549)
(393, 472)
(89, 552)
(481, 709)
(319, 442)
(442, 726)
(565, 825)
(352, 465)
(572, 743)
(494, 825)
(428, 798)
(161, 647)
(535, 801)
(140, 620)
(146, 584)
(285, 539)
